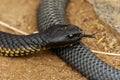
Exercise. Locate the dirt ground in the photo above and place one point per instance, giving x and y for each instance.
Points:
(45, 65)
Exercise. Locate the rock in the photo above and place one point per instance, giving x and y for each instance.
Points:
(108, 11)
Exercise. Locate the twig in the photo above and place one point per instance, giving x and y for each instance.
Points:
(106, 53)
(12, 28)
(24, 33)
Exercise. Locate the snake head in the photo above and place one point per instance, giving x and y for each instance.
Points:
(61, 35)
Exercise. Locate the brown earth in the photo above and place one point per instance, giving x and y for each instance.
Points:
(45, 65)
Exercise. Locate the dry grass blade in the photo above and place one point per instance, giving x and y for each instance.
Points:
(24, 33)
(12, 28)
(106, 53)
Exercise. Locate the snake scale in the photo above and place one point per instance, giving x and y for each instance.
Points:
(78, 56)
(52, 20)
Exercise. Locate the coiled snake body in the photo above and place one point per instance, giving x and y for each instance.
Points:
(51, 17)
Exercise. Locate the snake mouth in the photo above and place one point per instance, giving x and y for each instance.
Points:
(63, 45)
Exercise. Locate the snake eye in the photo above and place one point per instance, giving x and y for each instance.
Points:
(70, 36)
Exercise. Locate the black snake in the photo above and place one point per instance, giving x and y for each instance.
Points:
(52, 18)
(78, 56)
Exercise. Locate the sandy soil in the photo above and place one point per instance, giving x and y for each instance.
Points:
(45, 65)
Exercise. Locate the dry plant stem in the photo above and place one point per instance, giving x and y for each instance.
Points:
(106, 53)
(12, 28)
(24, 33)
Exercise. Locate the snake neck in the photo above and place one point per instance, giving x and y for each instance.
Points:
(35, 40)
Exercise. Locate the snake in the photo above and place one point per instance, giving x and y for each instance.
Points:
(77, 56)
(57, 34)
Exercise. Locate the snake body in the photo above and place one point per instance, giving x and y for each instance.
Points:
(78, 56)
(19, 45)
